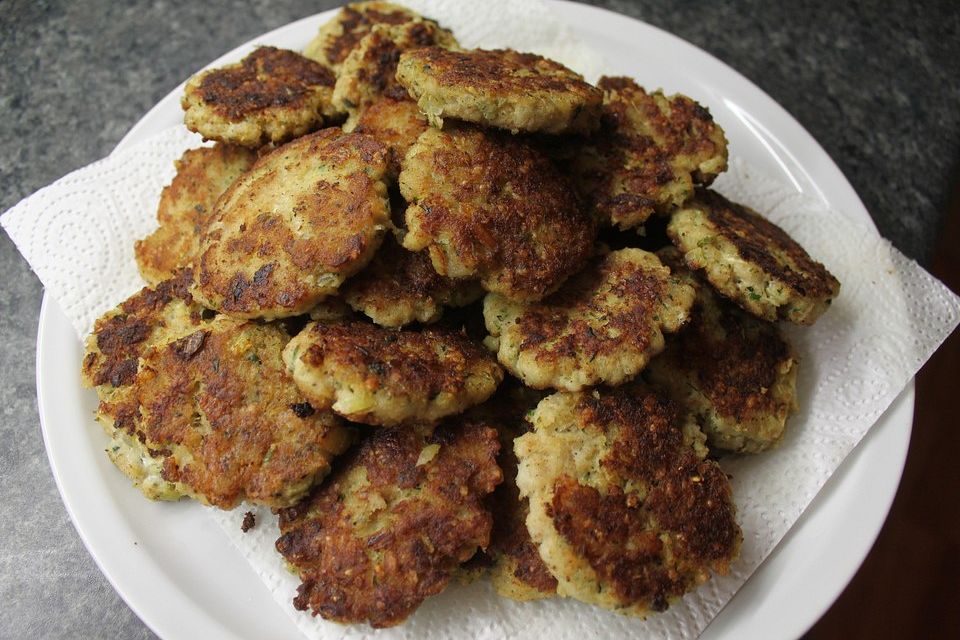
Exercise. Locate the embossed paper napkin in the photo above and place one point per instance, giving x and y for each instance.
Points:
(890, 317)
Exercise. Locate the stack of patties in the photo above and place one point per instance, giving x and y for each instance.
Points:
(332, 310)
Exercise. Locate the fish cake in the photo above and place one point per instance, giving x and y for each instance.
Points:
(384, 377)
(399, 287)
(186, 206)
(626, 512)
(736, 374)
(288, 232)
(487, 205)
(204, 407)
(603, 326)
(369, 72)
(500, 88)
(751, 261)
(649, 153)
(271, 96)
(341, 35)
(393, 523)
(396, 123)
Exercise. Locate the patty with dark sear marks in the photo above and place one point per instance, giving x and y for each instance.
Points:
(487, 205)
(271, 96)
(625, 510)
(392, 524)
(500, 88)
(648, 154)
(380, 376)
(751, 261)
(186, 207)
(287, 233)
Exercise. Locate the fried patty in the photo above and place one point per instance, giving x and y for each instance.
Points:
(752, 261)
(626, 512)
(603, 326)
(399, 287)
(392, 523)
(369, 73)
(272, 95)
(287, 233)
(736, 374)
(205, 408)
(648, 154)
(186, 206)
(341, 35)
(500, 88)
(396, 123)
(384, 377)
(488, 205)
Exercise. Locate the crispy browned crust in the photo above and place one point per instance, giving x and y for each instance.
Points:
(397, 123)
(275, 86)
(186, 206)
(285, 235)
(649, 153)
(122, 335)
(486, 204)
(518, 571)
(219, 408)
(385, 532)
(352, 23)
(654, 549)
(400, 286)
(379, 376)
(500, 88)
(734, 361)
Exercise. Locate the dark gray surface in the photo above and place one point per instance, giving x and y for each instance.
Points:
(877, 83)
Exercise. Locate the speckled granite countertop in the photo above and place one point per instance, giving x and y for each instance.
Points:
(876, 83)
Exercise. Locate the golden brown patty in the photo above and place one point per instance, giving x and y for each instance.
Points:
(648, 154)
(603, 326)
(186, 206)
(500, 88)
(487, 205)
(391, 525)
(399, 287)
(272, 95)
(369, 72)
(625, 511)
(396, 123)
(289, 231)
(736, 374)
(204, 408)
(752, 261)
(379, 376)
(342, 34)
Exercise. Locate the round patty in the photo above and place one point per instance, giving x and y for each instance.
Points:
(392, 523)
(205, 408)
(288, 232)
(186, 207)
(603, 326)
(341, 35)
(272, 95)
(369, 72)
(626, 512)
(379, 376)
(650, 151)
(735, 373)
(500, 88)
(396, 123)
(399, 287)
(487, 205)
(752, 261)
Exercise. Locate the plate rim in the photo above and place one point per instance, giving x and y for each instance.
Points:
(906, 400)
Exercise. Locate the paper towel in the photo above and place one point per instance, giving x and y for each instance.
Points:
(891, 315)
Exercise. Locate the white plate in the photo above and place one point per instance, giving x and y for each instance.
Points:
(179, 573)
